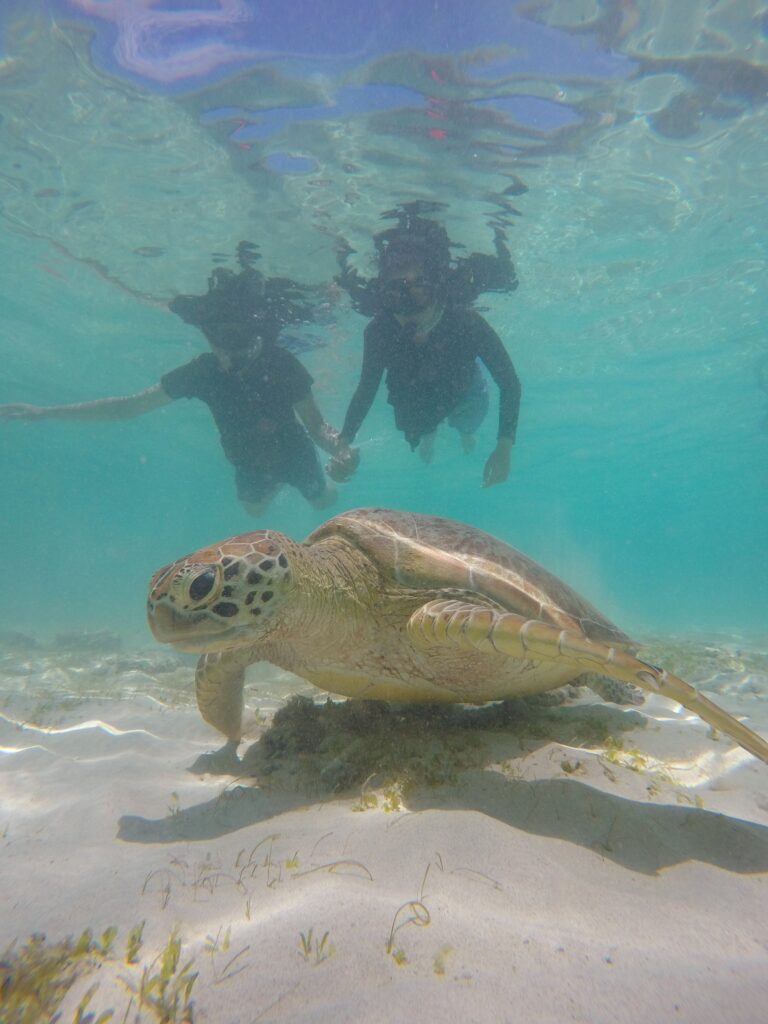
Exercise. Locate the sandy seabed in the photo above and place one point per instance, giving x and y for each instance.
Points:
(549, 881)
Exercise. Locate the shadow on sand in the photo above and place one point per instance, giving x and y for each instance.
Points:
(450, 774)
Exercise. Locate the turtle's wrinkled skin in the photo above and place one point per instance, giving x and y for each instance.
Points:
(387, 605)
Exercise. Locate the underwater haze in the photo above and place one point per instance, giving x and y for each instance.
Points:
(571, 856)
(140, 140)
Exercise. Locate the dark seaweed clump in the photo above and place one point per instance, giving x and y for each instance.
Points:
(341, 745)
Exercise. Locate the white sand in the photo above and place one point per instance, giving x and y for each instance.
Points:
(605, 894)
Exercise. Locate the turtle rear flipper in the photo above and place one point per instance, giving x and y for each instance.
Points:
(493, 632)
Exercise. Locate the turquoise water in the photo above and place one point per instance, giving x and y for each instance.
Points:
(586, 862)
(638, 332)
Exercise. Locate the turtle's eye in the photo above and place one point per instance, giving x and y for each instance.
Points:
(202, 585)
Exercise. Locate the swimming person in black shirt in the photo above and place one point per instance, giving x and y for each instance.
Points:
(428, 341)
(254, 388)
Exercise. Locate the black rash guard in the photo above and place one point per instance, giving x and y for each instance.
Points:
(252, 406)
(427, 380)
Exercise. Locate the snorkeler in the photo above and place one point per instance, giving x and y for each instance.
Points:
(428, 340)
(256, 390)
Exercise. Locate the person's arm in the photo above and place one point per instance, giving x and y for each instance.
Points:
(322, 433)
(498, 463)
(368, 385)
(102, 409)
(346, 459)
(492, 352)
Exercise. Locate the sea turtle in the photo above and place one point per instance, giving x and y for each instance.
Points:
(388, 605)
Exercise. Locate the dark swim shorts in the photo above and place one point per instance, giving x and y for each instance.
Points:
(300, 468)
(472, 407)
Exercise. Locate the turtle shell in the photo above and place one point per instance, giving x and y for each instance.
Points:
(420, 551)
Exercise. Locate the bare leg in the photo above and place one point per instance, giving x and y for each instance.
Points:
(468, 442)
(257, 508)
(325, 499)
(426, 447)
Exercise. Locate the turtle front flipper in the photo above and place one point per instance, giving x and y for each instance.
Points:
(219, 680)
(494, 632)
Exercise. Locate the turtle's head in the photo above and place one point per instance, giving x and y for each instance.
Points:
(223, 596)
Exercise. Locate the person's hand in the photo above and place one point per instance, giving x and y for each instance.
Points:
(19, 411)
(343, 464)
(497, 467)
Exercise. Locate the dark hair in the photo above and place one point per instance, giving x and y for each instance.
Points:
(416, 240)
(480, 272)
(245, 297)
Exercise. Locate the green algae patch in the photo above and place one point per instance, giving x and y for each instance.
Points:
(337, 746)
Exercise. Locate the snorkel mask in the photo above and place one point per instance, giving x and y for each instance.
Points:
(407, 290)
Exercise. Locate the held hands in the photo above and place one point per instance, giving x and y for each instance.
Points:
(19, 411)
(497, 467)
(342, 466)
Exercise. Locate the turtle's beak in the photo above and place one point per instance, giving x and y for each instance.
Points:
(165, 624)
(195, 635)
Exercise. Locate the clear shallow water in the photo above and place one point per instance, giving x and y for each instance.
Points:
(137, 142)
